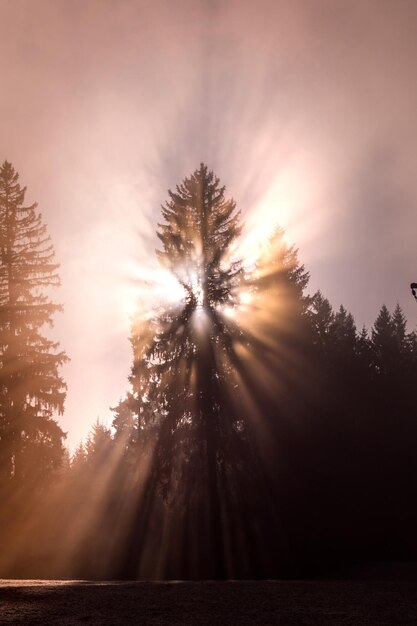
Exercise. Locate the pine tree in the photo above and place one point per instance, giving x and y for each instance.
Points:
(79, 457)
(98, 444)
(274, 323)
(277, 285)
(322, 320)
(177, 382)
(344, 331)
(31, 389)
(198, 384)
(400, 327)
(200, 226)
(383, 342)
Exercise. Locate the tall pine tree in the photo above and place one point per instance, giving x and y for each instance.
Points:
(179, 373)
(31, 388)
(199, 408)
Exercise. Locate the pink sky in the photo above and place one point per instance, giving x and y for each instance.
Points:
(306, 111)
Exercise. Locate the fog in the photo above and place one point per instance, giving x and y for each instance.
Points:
(306, 111)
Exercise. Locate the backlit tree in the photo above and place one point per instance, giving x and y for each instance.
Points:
(179, 373)
(31, 388)
(195, 389)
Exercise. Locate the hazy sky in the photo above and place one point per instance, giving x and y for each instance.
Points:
(307, 110)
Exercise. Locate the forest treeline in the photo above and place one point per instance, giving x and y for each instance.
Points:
(262, 433)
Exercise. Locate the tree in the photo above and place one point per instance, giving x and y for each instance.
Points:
(344, 330)
(200, 226)
(383, 342)
(322, 319)
(393, 361)
(98, 443)
(31, 388)
(279, 313)
(178, 384)
(192, 416)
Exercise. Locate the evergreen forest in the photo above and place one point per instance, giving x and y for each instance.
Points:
(262, 434)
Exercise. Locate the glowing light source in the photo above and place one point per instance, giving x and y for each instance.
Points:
(198, 291)
(245, 297)
(154, 286)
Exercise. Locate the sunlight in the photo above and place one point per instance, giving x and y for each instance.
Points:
(228, 311)
(200, 321)
(282, 203)
(205, 336)
(198, 291)
(245, 297)
(166, 286)
(153, 285)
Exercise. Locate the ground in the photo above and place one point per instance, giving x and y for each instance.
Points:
(281, 603)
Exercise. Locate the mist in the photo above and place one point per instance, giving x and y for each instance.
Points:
(305, 110)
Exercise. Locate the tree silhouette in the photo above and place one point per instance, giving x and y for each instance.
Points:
(257, 417)
(31, 389)
(178, 379)
(200, 411)
(200, 226)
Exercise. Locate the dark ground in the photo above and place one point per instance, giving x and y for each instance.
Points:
(374, 602)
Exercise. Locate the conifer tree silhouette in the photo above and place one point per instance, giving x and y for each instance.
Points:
(31, 389)
(179, 373)
(192, 391)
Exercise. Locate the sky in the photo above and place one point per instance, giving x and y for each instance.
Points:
(305, 109)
